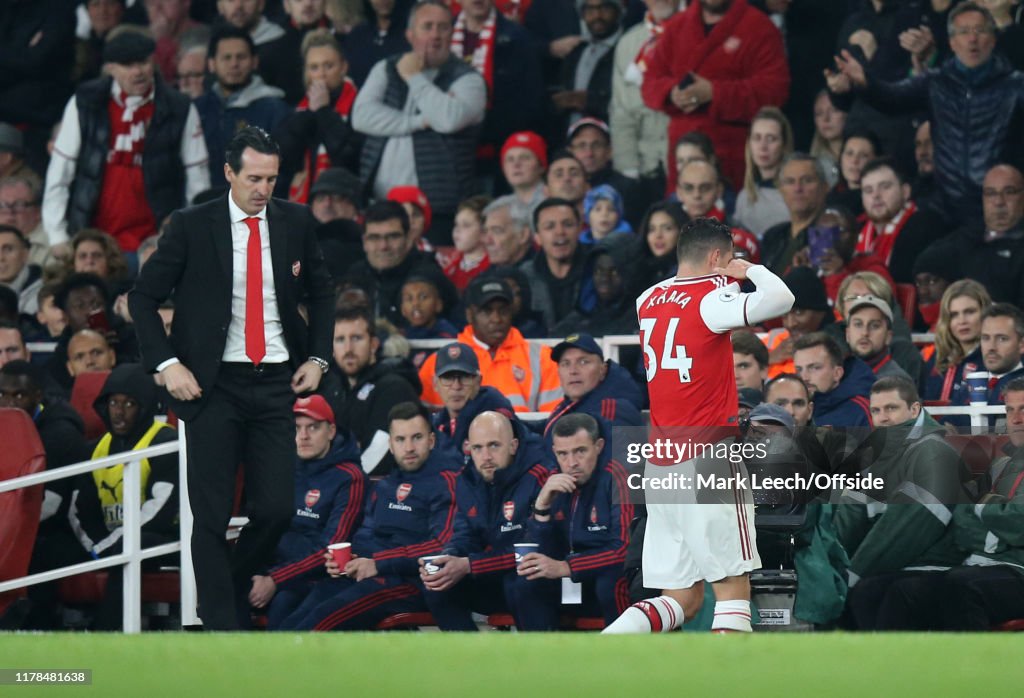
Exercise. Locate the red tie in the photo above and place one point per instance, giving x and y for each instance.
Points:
(255, 341)
(992, 382)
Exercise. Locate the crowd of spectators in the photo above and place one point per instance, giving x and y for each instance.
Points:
(491, 172)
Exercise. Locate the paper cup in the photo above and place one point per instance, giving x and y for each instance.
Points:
(429, 566)
(522, 549)
(977, 387)
(342, 553)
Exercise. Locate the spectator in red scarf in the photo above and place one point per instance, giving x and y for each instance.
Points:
(318, 135)
(470, 257)
(718, 63)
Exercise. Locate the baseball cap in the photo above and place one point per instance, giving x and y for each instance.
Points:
(483, 291)
(529, 140)
(587, 121)
(456, 357)
(337, 180)
(128, 47)
(773, 414)
(11, 140)
(750, 397)
(873, 301)
(576, 341)
(315, 407)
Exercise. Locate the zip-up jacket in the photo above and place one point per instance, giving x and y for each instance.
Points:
(450, 438)
(992, 531)
(330, 493)
(589, 528)
(409, 515)
(493, 516)
(906, 523)
(522, 371)
(847, 404)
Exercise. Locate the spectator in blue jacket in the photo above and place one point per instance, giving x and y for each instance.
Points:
(457, 381)
(330, 489)
(581, 524)
(839, 387)
(410, 514)
(1002, 344)
(494, 497)
(238, 96)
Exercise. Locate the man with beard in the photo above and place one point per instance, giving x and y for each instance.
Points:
(869, 334)
(587, 70)
(238, 96)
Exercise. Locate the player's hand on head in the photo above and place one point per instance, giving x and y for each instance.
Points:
(735, 269)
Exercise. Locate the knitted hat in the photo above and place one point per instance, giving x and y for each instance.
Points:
(414, 196)
(529, 140)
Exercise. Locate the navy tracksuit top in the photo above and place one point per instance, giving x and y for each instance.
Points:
(408, 515)
(493, 516)
(329, 496)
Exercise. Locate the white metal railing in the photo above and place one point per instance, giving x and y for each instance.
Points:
(41, 347)
(131, 555)
(978, 413)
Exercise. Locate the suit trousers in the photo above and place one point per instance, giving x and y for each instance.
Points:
(247, 420)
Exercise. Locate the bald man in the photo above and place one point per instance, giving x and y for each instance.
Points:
(88, 351)
(494, 500)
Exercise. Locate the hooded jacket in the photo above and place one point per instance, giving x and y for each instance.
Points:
(408, 516)
(451, 437)
(256, 104)
(63, 436)
(992, 531)
(847, 404)
(589, 528)
(96, 504)
(493, 515)
(906, 523)
(363, 408)
(330, 493)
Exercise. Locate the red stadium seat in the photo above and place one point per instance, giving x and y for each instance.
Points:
(976, 451)
(906, 297)
(1014, 626)
(22, 454)
(88, 587)
(406, 621)
(86, 389)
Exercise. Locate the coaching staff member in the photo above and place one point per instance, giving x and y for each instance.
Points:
(237, 269)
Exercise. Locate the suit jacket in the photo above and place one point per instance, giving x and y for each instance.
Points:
(193, 267)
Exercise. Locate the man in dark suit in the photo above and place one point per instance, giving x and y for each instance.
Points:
(239, 350)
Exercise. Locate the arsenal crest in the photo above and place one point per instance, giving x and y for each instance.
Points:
(454, 351)
(403, 491)
(312, 497)
(518, 373)
(510, 510)
(593, 515)
(296, 267)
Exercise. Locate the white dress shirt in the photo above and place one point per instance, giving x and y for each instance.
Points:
(234, 349)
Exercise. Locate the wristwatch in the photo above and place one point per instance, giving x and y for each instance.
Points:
(319, 362)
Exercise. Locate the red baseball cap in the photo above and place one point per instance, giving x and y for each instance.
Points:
(315, 407)
(414, 196)
(532, 142)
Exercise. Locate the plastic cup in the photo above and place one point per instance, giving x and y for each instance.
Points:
(429, 566)
(977, 387)
(523, 549)
(342, 553)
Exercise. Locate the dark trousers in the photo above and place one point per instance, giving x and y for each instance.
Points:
(247, 419)
(538, 604)
(896, 601)
(453, 608)
(343, 604)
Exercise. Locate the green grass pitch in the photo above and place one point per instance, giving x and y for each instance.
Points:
(564, 665)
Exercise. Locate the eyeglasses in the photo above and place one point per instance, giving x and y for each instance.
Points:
(450, 379)
(389, 238)
(17, 206)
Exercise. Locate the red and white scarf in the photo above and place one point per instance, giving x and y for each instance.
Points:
(483, 57)
(312, 167)
(514, 10)
(129, 117)
(880, 242)
(637, 69)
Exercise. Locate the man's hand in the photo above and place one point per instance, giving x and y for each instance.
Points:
(559, 482)
(920, 43)
(570, 100)
(540, 566)
(121, 308)
(318, 95)
(410, 64)
(307, 378)
(694, 96)
(735, 269)
(180, 382)
(453, 569)
(852, 69)
(360, 568)
(263, 590)
(866, 40)
(560, 48)
(331, 566)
